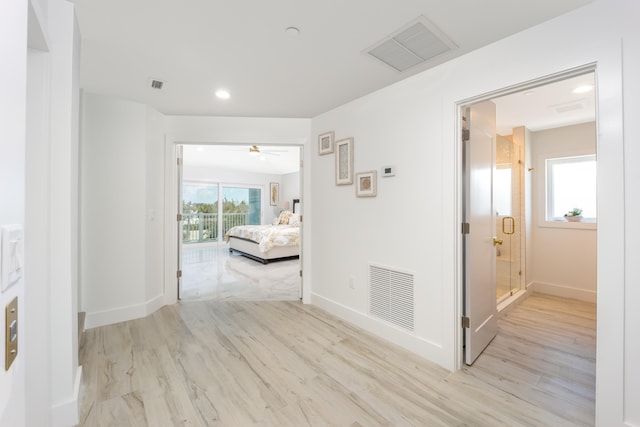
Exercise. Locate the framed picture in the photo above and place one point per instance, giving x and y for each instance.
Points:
(325, 143)
(274, 193)
(366, 184)
(344, 161)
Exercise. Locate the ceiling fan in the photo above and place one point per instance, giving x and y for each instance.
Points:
(254, 150)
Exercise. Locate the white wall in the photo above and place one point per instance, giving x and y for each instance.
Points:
(45, 82)
(122, 202)
(13, 83)
(234, 177)
(412, 124)
(290, 187)
(563, 258)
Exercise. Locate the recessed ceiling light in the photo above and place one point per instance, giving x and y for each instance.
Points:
(223, 94)
(292, 32)
(583, 89)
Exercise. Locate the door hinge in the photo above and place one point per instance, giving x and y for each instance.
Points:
(465, 135)
(301, 163)
(179, 217)
(300, 218)
(465, 228)
(300, 273)
(179, 274)
(465, 322)
(179, 161)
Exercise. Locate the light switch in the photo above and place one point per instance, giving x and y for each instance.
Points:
(11, 333)
(12, 249)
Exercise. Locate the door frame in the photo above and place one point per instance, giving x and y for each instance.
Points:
(171, 196)
(461, 189)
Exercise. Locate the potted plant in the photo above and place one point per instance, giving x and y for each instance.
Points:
(574, 215)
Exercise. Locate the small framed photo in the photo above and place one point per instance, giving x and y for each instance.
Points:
(325, 143)
(344, 161)
(366, 185)
(274, 193)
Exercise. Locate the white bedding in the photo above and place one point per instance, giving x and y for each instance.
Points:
(267, 236)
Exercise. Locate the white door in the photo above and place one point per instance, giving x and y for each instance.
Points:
(479, 242)
(179, 218)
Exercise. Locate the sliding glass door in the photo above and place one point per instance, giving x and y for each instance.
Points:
(211, 209)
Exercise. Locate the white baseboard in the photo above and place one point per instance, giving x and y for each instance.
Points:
(122, 314)
(420, 346)
(563, 291)
(66, 414)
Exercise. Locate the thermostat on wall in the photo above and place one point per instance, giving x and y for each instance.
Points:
(388, 171)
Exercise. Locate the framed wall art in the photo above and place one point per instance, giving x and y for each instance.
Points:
(325, 143)
(344, 161)
(366, 184)
(274, 193)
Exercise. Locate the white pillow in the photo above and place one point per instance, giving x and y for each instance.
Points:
(294, 219)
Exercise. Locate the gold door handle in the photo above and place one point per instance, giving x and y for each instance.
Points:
(497, 241)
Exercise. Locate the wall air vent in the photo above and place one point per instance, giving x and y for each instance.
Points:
(415, 43)
(567, 107)
(391, 296)
(156, 84)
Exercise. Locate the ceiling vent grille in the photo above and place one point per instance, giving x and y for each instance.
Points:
(391, 296)
(156, 84)
(567, 107)
(414, 44)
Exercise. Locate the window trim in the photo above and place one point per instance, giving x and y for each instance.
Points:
(543, 190)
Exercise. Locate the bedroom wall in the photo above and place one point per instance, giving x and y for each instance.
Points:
(412, 125)
(563, 259)
(290, 187)
(217, 175)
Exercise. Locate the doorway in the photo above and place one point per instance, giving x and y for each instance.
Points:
(224, 186)
(512, 204)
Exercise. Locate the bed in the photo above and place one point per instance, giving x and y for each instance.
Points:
(267, 243)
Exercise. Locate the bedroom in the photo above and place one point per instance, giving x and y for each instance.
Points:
(226, 190)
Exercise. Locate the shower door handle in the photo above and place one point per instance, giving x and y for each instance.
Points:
(512, 221)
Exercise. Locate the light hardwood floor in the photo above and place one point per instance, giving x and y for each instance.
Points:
(273, 363)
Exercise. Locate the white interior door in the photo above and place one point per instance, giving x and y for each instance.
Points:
(480, 254)
(179, 218)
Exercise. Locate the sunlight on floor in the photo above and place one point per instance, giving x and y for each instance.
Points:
(211, 272)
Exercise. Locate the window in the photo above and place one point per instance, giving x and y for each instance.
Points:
(571, 183)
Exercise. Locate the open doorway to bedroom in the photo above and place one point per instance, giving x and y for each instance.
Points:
(239, 229)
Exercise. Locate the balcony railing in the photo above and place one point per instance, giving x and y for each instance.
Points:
(203, 227)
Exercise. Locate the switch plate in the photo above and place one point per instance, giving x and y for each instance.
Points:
(11, 333)
(12, 255)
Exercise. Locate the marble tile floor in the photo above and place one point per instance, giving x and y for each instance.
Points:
(211, 272)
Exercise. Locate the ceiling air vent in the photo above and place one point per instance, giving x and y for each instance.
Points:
(416, 43)
(567, 107)
(156, 84)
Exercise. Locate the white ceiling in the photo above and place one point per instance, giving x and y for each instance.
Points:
(547, 106)
(276, 160)
(198, 46)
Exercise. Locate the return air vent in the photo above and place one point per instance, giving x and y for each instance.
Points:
(567, 107)
(391, 296)
(417, 42)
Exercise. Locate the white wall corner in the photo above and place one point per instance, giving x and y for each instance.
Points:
(562, 291)
(66, 414)
(122, 314)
